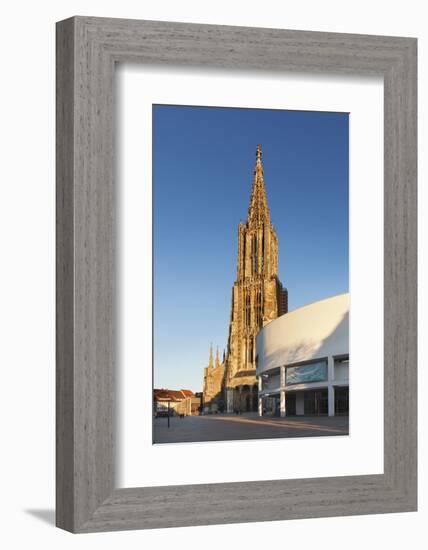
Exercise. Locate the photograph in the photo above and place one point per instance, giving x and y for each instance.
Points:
(251, 298)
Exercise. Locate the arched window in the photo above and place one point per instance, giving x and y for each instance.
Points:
(259, 309)
(254, 253)
(263, 252)
(250, 350)
(248, 310)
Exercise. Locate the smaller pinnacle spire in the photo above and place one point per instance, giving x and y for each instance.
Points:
(217, 358)
(210, 362)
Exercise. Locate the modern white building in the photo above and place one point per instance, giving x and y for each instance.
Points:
(303, 361)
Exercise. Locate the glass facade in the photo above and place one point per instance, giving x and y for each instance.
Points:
(316, 402)
(313, 372)
(341, 401)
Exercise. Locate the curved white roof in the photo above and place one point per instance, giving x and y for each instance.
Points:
(311, 332)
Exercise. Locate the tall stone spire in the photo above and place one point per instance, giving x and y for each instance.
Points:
(258, 211)
(257, 296)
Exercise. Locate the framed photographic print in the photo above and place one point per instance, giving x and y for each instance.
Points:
(236, 274)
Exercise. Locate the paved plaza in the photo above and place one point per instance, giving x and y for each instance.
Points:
(227, 427)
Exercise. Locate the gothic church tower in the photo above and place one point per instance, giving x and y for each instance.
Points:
(213, 384)
(257, 296)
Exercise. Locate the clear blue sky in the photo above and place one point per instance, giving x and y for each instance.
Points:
(203, 162)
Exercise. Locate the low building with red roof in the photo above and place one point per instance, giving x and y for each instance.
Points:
(181, 402)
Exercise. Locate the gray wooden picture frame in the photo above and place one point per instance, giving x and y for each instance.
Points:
(87, 50)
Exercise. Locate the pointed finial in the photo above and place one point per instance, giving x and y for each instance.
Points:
(259, 167)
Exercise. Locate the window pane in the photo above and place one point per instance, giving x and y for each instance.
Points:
(315, 372)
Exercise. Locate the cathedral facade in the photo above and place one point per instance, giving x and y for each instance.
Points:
(213, 389)
(258, 297)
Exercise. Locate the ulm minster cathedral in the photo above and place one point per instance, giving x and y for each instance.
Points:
(258, 297)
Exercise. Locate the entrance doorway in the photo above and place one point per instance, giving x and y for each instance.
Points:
(316, 402)
(341, 401)
(248, 403)
(245, 399)
(271, 405)
(290, 404)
